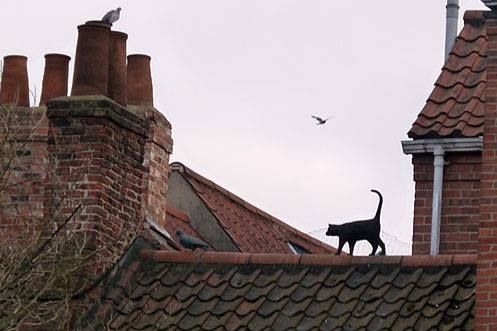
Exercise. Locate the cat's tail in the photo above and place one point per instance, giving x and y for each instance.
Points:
(380, 204)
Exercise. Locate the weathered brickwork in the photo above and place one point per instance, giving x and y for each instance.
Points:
(158, 147)
(460, 203)
(98, 148)
(24, 169)
(89, 151)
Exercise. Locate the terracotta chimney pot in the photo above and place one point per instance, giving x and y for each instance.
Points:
(55, 77)
(117, 88)
(91, 67)
(140, 89)
(14, 89)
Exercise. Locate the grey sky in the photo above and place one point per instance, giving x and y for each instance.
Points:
(239, 80)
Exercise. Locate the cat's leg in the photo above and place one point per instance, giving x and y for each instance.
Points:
(341, 242)
(382, 245)
(351, 246)
(374, 245)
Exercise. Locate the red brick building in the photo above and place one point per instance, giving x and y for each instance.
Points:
(454, 156)
(451, 124)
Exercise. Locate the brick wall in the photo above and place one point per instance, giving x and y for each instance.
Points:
(158, 147)
(24, 167)
(486, 276)
(460, 203)
(99, 149)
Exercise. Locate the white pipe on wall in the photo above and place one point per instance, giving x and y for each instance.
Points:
(439, 147)
(436, 213)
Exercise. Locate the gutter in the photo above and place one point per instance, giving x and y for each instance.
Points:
(439, 147)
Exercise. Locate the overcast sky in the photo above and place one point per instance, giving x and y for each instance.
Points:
(239, 81)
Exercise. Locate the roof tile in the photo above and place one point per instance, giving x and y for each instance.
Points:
(215, 322)
(238, 322)
(422, 292)
(284, 322)
(292, 308)
(368, 295)
(224, 307)
(300, 292)
(250, 228)
(455, 106)
(269, 307)
(260, 322)
(404, 279)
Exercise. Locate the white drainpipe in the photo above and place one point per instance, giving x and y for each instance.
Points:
(436, 209)
(439, 147)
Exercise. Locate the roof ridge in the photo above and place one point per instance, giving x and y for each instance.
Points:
(184, 169)
(210, 257)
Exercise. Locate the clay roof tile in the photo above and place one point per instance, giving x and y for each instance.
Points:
(455, 108)
(250, 228)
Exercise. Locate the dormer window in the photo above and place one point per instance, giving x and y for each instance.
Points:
(297, 249)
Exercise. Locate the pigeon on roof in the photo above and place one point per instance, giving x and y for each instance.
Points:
(112, 16)
(190, 242)
(320, 120)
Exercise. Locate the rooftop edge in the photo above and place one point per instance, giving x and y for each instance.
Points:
(306, 259)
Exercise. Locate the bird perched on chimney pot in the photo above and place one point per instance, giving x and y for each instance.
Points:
(190, 242)
(112, 16)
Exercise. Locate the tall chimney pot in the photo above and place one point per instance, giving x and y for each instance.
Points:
(55, 77)
(140, 89)
(117, 87)
(91, 65)
(14, 89)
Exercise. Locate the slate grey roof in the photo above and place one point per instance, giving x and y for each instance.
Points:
(231, 291)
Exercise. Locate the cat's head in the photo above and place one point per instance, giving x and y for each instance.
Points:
(332, 230)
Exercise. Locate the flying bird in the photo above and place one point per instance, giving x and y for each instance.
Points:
(112, 16)
(190, 242)
(320, 120)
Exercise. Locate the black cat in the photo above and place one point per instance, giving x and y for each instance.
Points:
(359, 230)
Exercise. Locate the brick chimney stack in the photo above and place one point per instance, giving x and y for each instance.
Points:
(110, 158)
(55, 77)
(99, 149)
(14, 89)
